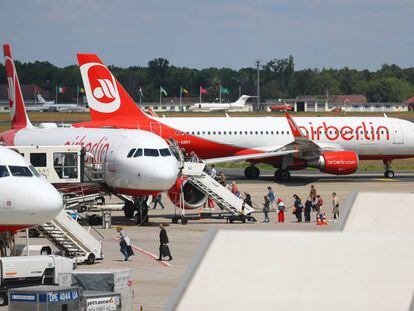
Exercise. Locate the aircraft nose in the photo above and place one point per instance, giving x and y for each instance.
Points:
(45, 202)
(162, 177)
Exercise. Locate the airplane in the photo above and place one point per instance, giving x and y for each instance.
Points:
(52, 107)
(238, 105)
(334, 145)
(134, 162)
(27, 199)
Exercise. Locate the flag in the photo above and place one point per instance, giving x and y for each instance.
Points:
(203, 91)
(183, 90)
(163, 91)
(224, 90)
(61, 89)
(140, 91)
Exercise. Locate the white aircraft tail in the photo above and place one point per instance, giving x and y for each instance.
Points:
(43, 101)
(241, 101)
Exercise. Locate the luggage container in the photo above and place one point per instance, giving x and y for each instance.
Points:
(44, 298)
(116, 281)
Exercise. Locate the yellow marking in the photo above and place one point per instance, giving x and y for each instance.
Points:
(386, 179)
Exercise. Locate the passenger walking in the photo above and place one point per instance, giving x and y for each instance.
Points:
(335, 207)
(308, 209)
(235, 189)
(193, 157)
(164, 249)
(298, 207)
(124, 243)
(272, 197)
(248, 199)
(210, 203)
(312, 195)
(318, 206)
(157, 200)
(222, 179)
(281, 210)
(266, 208)
(213, 172)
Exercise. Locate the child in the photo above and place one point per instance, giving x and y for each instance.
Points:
(281, 210)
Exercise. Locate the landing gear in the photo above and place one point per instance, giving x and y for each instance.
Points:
(129, 209)
(3, 299)
(251, 172)
(282, 175)
(389, 173)
(138, 207)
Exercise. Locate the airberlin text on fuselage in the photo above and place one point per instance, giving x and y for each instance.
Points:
(364, 131)
(99, 149)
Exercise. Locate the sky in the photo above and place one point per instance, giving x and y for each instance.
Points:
(361, 34)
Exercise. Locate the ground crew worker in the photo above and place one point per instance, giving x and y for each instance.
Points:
(335, 207)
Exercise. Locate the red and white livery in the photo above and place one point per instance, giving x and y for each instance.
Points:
(332, 144)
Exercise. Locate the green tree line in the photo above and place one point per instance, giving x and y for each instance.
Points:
(278, 79)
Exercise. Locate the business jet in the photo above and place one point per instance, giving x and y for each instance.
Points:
(333, 145)
(134, 162)
(26, 198)
(238, 105)
(50, 106)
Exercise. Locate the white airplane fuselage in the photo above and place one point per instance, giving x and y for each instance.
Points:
(145, 173)
(369, 137)
(26, 199)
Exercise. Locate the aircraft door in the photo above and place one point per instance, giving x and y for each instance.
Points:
(156, 128)
(397, 133)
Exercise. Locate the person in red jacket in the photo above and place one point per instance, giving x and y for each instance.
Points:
(280, 210)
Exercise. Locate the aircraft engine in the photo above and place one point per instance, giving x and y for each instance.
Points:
(336, 162)
(193, 198)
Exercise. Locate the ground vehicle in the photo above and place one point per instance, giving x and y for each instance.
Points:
(31, 270)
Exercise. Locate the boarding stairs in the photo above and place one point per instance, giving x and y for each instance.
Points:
(224, 198)
(72, 239)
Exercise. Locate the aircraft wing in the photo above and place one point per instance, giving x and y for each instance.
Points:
(281, 152)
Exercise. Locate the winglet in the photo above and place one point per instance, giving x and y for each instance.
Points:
(293, 126)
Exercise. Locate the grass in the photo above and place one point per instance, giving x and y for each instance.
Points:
(65, 117)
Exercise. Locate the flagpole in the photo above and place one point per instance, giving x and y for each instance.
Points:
(160, 96)
(200, 93)
(140, 95)
(56, 101)
(181, 96)
(35, 95)
(220, 95)
(77, 96)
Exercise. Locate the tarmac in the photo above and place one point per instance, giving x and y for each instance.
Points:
(155, 281)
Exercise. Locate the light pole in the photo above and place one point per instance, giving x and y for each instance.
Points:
(258, 61)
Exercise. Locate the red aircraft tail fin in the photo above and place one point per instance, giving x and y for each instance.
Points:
(293, 126)
(18, 115)
(106, 97)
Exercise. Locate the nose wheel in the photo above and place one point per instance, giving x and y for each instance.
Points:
(389, 173)
(251, 172)
(282, 175)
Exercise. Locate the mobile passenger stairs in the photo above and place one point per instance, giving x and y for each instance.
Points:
(233, 206)
(80, 185)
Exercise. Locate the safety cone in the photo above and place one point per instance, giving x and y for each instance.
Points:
(325, 222)
(319, 220)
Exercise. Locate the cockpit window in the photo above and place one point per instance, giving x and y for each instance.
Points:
(4, 172)
(138, 153)
(36, 173)
(130, 153)
(165, 152)
(20, 171)
(151, 152)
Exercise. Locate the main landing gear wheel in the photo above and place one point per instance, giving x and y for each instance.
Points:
(389, 174)
(3, 299)
(129, 209)
(283, 175)
(252, 172)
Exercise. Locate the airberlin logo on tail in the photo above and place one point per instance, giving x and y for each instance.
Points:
(11, 82)
(100, 88)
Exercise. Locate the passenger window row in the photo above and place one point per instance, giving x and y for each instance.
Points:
(233, 133)
(147, 152)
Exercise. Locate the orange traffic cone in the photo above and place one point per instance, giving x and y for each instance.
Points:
(319, 220)
(325, 222)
